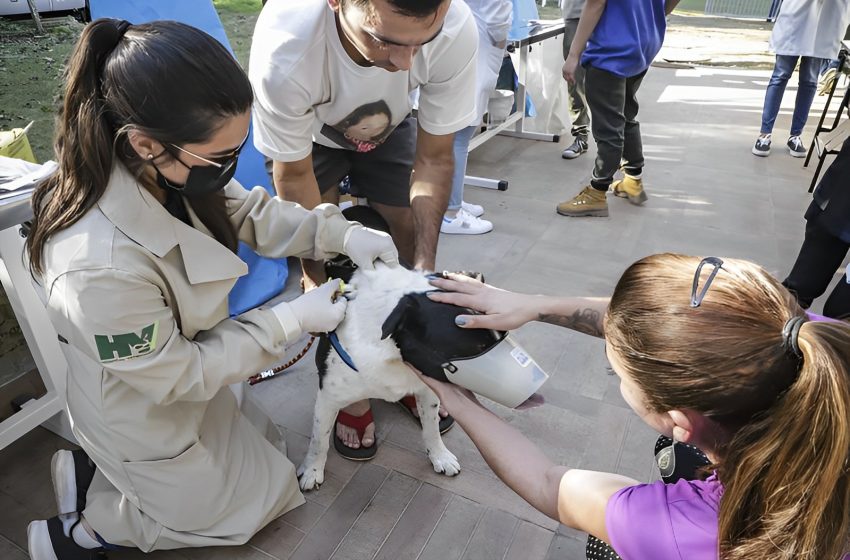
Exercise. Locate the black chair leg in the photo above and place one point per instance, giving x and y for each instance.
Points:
(817, 172)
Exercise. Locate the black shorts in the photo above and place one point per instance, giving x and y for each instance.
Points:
(381, 175)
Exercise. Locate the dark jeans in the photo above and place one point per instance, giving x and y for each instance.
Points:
(613, 110)
(820, 256)
(576, 97)
(806, 88)
(828, 63)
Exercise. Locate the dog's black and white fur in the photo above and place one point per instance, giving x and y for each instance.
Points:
(382, 373)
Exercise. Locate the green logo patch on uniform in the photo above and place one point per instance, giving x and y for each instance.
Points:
(125, 346)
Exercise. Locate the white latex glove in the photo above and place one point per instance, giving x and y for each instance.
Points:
(321, 309)
(365, 245)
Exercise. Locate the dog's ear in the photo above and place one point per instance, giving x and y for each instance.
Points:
(396, 318)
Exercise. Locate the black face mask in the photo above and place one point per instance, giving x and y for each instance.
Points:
(202, 179)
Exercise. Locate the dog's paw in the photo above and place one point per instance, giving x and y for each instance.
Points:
(310, 477)
(445, 462)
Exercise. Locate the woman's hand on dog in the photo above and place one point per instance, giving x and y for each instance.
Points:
(452, 397)
(502, 310)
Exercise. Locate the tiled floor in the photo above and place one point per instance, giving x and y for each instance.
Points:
(708, 195)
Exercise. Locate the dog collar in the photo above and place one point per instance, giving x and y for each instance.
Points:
(335, 343)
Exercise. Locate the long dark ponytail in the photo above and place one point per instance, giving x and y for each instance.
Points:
(166, 79)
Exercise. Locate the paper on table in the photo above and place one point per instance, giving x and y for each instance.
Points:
(19, 177)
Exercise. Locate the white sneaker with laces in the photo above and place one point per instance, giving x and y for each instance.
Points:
(474, 209)
(465, 223)
(796, 147)
(762, 146)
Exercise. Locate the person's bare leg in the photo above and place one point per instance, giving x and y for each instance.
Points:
(400, 220)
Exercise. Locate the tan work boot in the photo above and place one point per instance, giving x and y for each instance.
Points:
(827, 81)
(631, 188)
(589, 202)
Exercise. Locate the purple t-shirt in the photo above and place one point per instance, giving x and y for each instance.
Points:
(665, 521)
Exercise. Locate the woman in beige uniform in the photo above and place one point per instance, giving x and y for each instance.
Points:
(134, 243)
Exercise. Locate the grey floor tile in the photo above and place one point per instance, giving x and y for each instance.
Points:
(305, 516)
(454, 530)
(135, 554)
(604, 447)
(582, 369)
(25, 475)
(14, 518)
(278, 539)
(637, 458)
(562, 433)
(481, 488)
(492, 536)
(244, 552)
(379, 518)
(289, 399)
(11, 551)
(415, 525)
(408, 435)
(530, 542)
(328, 492)
(567, 543)
(327, 533)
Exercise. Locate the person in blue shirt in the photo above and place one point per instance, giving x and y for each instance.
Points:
(615, 43)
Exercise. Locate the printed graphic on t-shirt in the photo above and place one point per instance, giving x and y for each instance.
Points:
(364, 129)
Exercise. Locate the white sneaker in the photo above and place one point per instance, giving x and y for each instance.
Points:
(64, 481)
(796, 147)
(473, 209)
(465, 223)
(72, 473)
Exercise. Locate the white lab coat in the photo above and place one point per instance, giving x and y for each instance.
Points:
(812, 28)
(139, 300)
(493, 18)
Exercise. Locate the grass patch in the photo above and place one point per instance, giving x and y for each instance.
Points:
(238, 6)
(32, 68)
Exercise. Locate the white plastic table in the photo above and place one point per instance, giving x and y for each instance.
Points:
(514, 125)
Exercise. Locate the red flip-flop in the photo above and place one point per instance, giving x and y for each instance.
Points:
(359, 423)
(408, 403)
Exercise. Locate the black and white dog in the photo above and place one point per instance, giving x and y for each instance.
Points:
(390, 317)
(381, 372)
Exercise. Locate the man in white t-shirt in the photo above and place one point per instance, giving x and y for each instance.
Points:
(332, 80)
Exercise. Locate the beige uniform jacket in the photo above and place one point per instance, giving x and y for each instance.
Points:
(140, 301)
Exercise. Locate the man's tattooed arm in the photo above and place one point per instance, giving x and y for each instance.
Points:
(587, 321)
